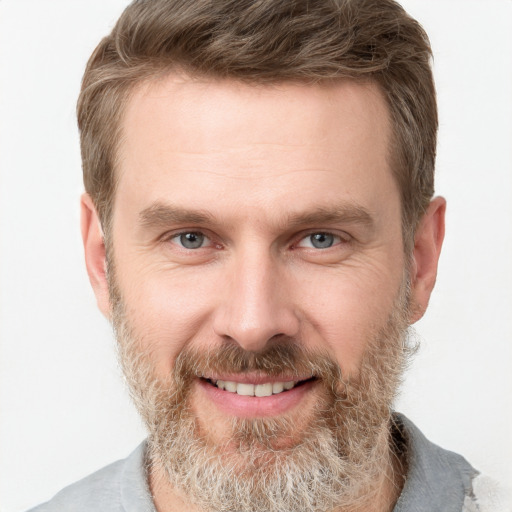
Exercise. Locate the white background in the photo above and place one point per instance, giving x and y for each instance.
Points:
(63, 409)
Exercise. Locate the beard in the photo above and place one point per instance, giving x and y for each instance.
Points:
(265, 464)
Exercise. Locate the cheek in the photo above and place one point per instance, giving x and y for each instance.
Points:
(343, 311)
(168, 311)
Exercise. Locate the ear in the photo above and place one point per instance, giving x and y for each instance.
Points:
(94, 248)
(428, 240)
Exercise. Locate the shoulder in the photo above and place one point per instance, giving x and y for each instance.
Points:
(109, 489)
(441, 480)
(92, 492)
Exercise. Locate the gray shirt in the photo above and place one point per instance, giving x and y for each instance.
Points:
(437, 480)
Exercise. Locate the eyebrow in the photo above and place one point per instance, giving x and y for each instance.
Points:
(162, 215)
(339, 214)
(159, 214)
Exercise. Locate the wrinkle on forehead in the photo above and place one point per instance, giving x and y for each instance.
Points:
(244, 174)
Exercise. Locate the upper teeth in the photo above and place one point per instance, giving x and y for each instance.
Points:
(267, 389)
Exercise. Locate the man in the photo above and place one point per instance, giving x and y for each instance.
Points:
(259, 227)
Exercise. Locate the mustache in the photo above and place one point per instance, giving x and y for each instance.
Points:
(284, 357)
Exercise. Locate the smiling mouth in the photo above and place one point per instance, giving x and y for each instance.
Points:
(257, 390)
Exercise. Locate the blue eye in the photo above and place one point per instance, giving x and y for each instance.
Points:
(320, 240)
(191, 240)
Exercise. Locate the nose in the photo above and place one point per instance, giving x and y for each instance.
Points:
(255, 306)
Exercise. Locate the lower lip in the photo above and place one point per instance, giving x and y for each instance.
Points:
(233, 404)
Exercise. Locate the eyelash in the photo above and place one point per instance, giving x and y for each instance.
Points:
(338, 239)
(189, 232)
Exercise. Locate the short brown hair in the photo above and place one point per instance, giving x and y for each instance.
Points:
(261, 41)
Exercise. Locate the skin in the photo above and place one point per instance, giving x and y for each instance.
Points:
(265, 167)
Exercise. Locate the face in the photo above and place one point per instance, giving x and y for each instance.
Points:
(258, 276)
(244, 215)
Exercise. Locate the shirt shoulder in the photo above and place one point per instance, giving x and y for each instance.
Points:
(118, 487)
(437, 480)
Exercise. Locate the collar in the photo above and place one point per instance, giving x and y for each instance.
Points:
(437, 479)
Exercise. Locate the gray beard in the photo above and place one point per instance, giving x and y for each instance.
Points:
(333, 463)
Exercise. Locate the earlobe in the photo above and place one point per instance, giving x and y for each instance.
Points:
(94, 249)
(428, 241)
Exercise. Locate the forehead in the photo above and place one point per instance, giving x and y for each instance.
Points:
(196, 111)
(270, 145)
